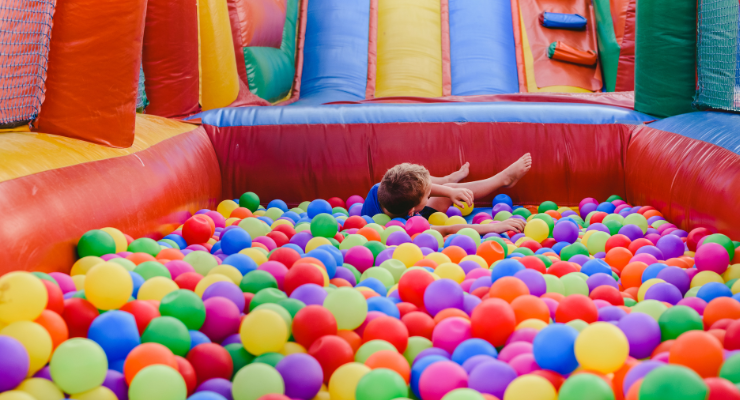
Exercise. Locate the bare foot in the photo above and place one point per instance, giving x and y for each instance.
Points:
(517, 170)
(460, 174)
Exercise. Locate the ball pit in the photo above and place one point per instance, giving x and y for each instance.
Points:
(590, 302)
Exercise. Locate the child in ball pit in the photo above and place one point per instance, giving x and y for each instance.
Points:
(408, 190)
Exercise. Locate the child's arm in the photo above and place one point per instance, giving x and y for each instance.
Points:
(514, 224)
(457, 195)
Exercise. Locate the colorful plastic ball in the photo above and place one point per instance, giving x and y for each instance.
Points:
(222, 318)
(108, 286)
(78, 365)
(158, 382)
(36, 340)
(408, 253)
(492, 377)
(235, 240)
(324, 225)
(389, 329)
(699, 351)
(302, 375)
(14, 364)
(537, 229)
(554, 348)
(533, 387)
(672, 382)
(450, 332)
(713, 290)
(185, 306)
(578, 386)
(331, 352)
(441, 378)
(95, 243)
(250, 201)
(348, 306)
(381, 384)
(643, 333)
(210, 361)
(722, 240)
(24, 297)
(145, 355)
(472, 347)
(263, 331)
(412, 286)
(712, 257)
(419, 324)
(170, 332)
(359, 257)
(677, 320)
(311, 323)
(601, 347)
(442, 294)
(256, 380)
(343, 383)
(116, 332)
(493, 320)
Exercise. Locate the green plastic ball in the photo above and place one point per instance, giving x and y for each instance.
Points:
(673, 382)
(524, 250)
(731, 369)
(95, 243)
(239, 356)
(353, 270)
(585, 386)
(169, 332)
(267, 295)
(78, 365)
(523, 212)
(724, 241)
(381, 384)
(348, 306)
(614, 226)
(159, 382)
(292, 306)
(416, 345)
(547, 206)
(256, 280)
(677, 320)
(271, 359)
(340, 210)
(324, 225)
(250, 201)
(186, 306)
(375, 248)
(145, 245)
(150, 269)
(572, 250)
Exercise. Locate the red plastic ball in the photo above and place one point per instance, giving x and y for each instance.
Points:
(617, 240)
(561, 268)
(336, 202)
(555, 379)
(285, 255)
(576, 306)
(210, 360)
(312, 322)
(78, 315)
(549, 242)
(188, 374)
(279, 238)
(721, 389)
(532, 262)
(412, 285)
(419, 324)
(389, 329)
(143, 312)
(188, 280)
(695, 236)
(405, 308)
(607, 293)
(301, 274)
(288, 230)
(494, 321)
(56, 297)
(144, 355)
(197, 229)
(531, 244)
(331, 352)
(597, 217)
(637, 243)
(354, 222)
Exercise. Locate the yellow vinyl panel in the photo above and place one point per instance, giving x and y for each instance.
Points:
(409, 54)
(220, 80)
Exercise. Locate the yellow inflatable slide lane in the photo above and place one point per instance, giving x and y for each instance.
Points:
(220, 80)
(74, 186)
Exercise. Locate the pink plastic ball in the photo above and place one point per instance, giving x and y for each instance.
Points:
(276, 269)
(65, 282)
(267, 241)
(524, 364)
(222, 319)
(441, 378)
(217, 218)
(712, 257)
(359, 257)
(513, 350)
(450, 332)
(178, 267)
(354, 199)
(416, 225)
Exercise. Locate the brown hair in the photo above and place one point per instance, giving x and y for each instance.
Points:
(403, 187)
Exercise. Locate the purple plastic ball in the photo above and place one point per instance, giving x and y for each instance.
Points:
(652, 250)
(235, 338)
(534, 280)
(611, 313)
(14, 363)
(598, 227)
(600, 279)
(301, 239)
(222, 318)
(465, 243)
(579, 259)
(453, 211)
(663, 291)
(441, 294)
(116, 382)
(500, 207)
(677, 277)
(483, 281)
(384, 255)
(468, 265)
(302, 375)
(432, 351)
(587, 208)
(474, 361)
(310, 294)
(427, 240)
(671, 246)
(347, 275)
(226, 290)
(642, 332)
(492, 377)
(470, 302)
(638, 372)
(633, 232)
(398, 238)
(216, 385)
(565, 231)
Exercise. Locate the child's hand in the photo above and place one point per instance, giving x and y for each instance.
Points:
(462, 195)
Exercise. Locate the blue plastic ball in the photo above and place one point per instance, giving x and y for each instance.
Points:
(554, 348)
(317, 207)
(235, 240)
(473, 347)
(116, 332)
(712, 290)
(242, 262)
(277, 203)
(503, 198)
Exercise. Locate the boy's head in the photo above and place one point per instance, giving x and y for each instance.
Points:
(405, 189)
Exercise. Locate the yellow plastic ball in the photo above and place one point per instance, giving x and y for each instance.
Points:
(439, 258)
(118, 238)
(35, 339)
(478, 259)
(254, 227)
(530, 387)
(316, 242)
(537, 230)
(108, 286)
(230, 221)
(227, 271)
(450, 271)
(259, 213)
(534, 323)
(323, 394)
(438, 218)
(226, 207)
(98, 393)
(466, 210)
(408, 253)
(732, 272)
(292, 348)
(158, 287)
(302, 227)
(81, 266)
(584, 238)
(645, 286)
(456, 220)
(281, 222)
(41, 388)
(735, 287)
(263, 331)
(79, 281)
(207, 281)
(255, 254)
(704, 277)
(16, 395)
(22, 297)
(602, 347)
(343, 381)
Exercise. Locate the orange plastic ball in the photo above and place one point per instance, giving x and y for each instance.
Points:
(144, 355)
(369, 233)
(455, 253)
(530, 307)
(632, 274)
(618, 257)
(448, 313)
(699, 351)
(392, 360)
(508, 288)
(491, 251)
(720, 308)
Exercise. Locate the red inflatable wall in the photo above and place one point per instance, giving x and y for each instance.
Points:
(300, 162)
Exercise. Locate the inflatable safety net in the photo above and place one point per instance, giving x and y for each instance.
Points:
(25, 30)
(718, 58)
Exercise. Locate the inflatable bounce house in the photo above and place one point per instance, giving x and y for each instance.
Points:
(163, 165)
